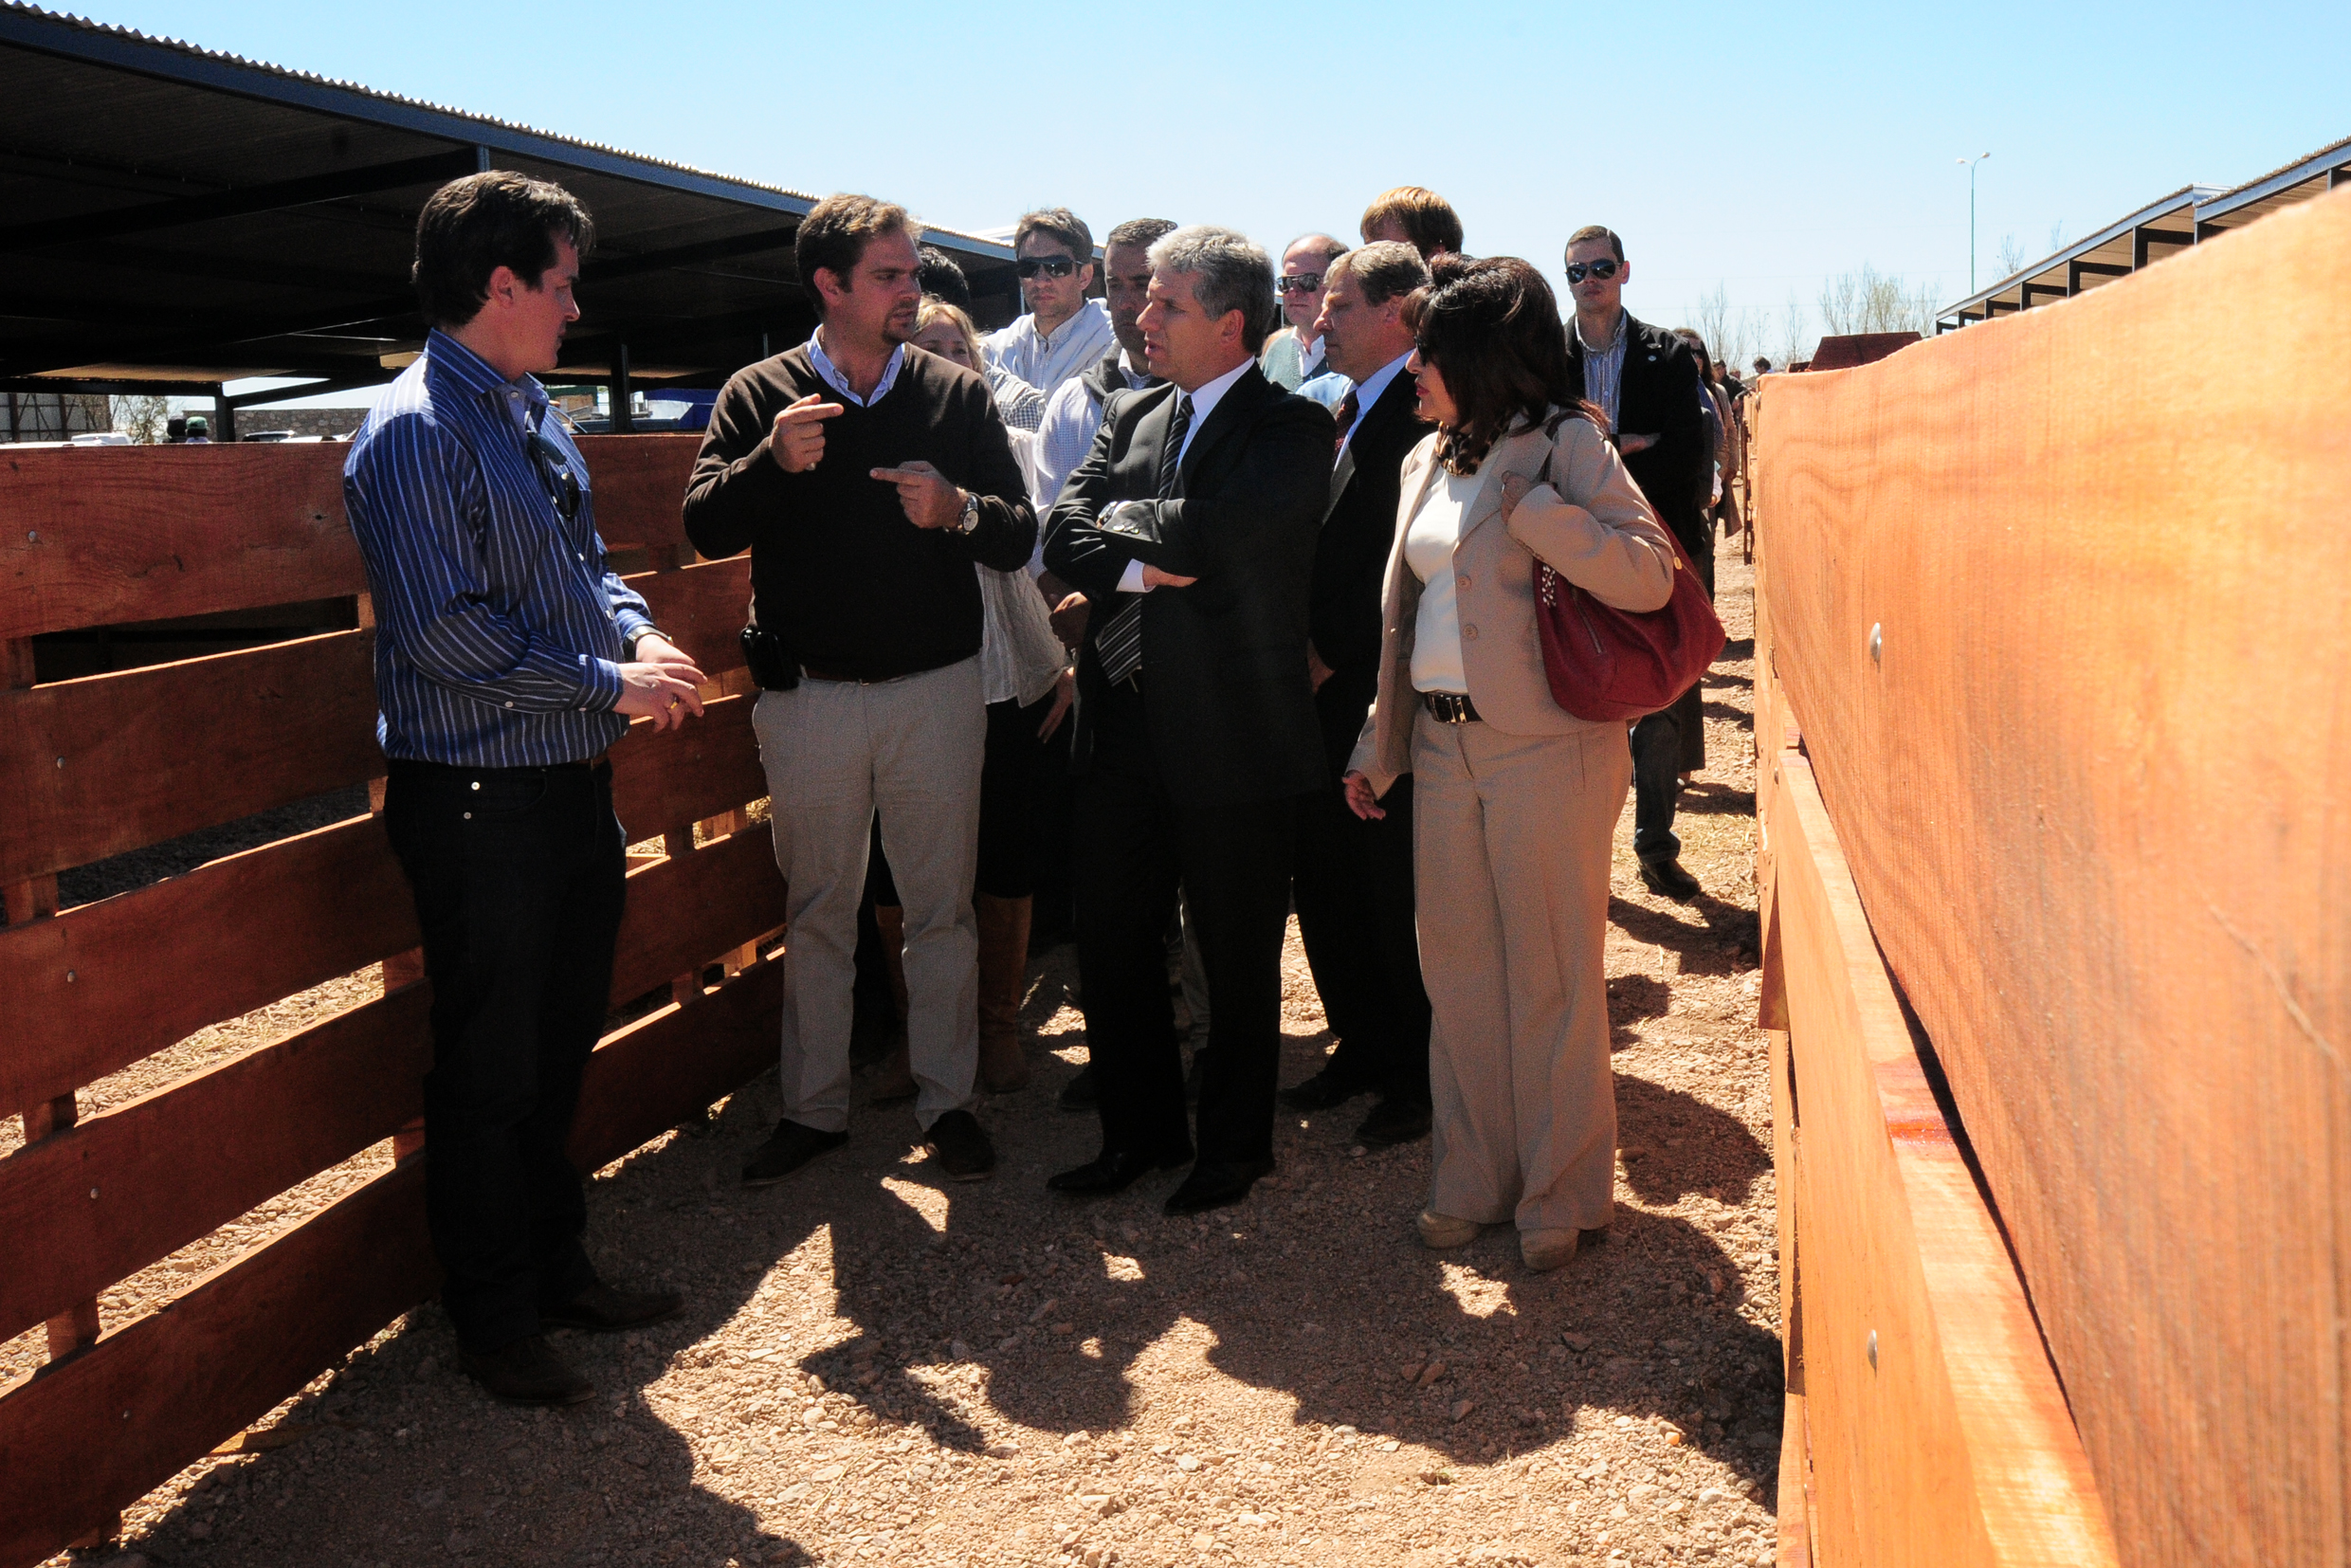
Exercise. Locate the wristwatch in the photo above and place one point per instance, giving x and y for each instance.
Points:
(970, 512)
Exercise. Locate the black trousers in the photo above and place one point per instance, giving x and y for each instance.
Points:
(1354, 892)
(1669, 743)
(518, 876)
(1133, 844)
(1010, 778)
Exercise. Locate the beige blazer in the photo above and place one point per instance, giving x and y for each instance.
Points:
(1590, 523)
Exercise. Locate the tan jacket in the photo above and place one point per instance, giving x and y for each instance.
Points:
(1590, 523)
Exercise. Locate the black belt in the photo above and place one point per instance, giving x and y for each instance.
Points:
(1447, 707)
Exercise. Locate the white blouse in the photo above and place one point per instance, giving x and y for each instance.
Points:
(1428, 551)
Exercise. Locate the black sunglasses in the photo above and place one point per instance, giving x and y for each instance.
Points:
(1052, 267)
(554, 471)
(1602, 269)
(1297, 283)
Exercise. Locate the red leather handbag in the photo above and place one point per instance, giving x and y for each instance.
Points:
(1605, 662)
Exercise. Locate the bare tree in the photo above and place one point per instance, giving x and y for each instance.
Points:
(1870, 300)
(2057, 235)
(1797, 340)
(2013, 257)
(142, 418)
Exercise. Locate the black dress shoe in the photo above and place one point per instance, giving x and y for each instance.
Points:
(960, 1145)
(1394, 1121)
(1079, 1094)
(787, 1148)
(1112, 1171)
(601, 1309)
(1325, 1089)
(527, 1372)
(1216, 1186)
(1663, 874)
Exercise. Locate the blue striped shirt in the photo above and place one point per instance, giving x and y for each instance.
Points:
(499, 628)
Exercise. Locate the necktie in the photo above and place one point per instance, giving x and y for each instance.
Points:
(1119, 645)
(1348, 407)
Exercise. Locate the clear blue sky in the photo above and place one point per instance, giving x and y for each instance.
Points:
(1760, 147)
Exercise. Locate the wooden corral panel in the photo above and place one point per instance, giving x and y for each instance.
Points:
(1937, 1434)
(2091, 782)
(91, 768)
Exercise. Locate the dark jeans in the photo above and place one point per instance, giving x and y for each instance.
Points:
(1669, 743)
(1135, 845)
(518, 876)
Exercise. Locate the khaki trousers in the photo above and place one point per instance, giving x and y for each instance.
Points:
(1511, 856)
(835, 753)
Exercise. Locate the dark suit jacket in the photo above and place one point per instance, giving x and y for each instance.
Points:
(1657, 393)
(1351, 562)
(1231, 711)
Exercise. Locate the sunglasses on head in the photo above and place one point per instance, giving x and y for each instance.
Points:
(1052, 266)
(1602, 269)
(1297, 283)
(554, 471)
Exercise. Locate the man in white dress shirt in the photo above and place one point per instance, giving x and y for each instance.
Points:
(1065, 331)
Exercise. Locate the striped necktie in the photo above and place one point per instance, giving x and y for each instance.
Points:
(1119, 645)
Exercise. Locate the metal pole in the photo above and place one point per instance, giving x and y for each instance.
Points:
(624, 416)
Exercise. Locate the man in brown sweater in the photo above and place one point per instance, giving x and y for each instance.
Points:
(866, 477)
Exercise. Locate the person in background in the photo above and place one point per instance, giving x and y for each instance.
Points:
(1294, 355)
(1022, 405)
(1191, 527)
(1026, 680)
(1414, 215)
(509, 658)
(1516, 799)
(868, 479)
(1645, 381)
(1762, 366)
(1353, 887)
(175, 429)
(199, 431)
(1065, 332)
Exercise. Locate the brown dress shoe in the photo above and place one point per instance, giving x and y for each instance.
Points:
(527, 1372)
(1003, 978)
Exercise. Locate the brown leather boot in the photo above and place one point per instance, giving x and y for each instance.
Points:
(894, 1080)
(1003, 982)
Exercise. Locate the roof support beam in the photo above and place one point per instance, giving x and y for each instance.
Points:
(330, 384)
(239, 201)
(2026, 292)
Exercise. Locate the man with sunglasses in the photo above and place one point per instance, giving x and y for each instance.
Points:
(1644, 379)
(1065, 332)
(1294, 356)
(509, 659)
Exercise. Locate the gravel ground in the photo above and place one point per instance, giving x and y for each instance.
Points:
(880, 1366)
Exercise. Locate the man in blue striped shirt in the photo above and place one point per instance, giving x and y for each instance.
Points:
(508, 660)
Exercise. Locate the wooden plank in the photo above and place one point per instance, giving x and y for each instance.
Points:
(94, 767)
(639, 485)
(1795, 1485)
(1939, 1433)
(169, 1167)
(137, 1183)
(99, 536)
(99, 1431)
(702, 610)
(2092, 793)
(109, 983)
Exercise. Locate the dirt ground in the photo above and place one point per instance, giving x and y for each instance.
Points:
(880, 1366)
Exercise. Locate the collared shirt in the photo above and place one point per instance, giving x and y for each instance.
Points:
(1604, 368)
(1204, 401)
(1072, 418)
(498, 628)
(1045, 362)
(840, 383)
(1372, 391)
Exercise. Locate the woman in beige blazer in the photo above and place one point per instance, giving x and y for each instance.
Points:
(1514, 798)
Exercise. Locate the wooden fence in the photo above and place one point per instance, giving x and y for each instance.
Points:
(91, 768)
(2053, 620)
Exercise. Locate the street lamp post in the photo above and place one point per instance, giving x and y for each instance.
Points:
(1971, 215)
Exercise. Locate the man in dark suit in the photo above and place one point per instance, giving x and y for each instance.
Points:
(1644, 379)
(1354, 881)
(1191, 526)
